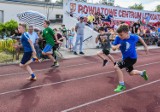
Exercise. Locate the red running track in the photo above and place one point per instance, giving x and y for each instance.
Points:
(80, 85)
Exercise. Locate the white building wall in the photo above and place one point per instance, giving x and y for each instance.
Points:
(11, 10)
(70, 22)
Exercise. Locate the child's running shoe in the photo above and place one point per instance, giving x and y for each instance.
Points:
(120, 88)
(145, 75)
(105, 62)
(41, 60)
(56, 64)
(32, 78)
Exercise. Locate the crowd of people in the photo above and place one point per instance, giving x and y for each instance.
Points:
(150, 32)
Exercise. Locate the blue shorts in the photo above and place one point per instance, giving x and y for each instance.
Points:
(26, 57)
(47, 48)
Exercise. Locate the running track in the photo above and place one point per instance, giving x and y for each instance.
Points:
(81, 85)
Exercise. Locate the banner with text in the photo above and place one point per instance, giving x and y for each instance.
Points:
(118, 13)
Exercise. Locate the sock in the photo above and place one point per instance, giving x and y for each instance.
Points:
(121, 83)
(34, 59)
(32, 75)
(141, 74)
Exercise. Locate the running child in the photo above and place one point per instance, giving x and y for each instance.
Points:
(49, 35)
(127, 44)
(29, 51)
(104, 39)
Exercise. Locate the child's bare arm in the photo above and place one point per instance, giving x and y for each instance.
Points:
(115, 47)
(32, 46)
(96, 40)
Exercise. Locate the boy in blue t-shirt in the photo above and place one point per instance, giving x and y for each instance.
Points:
(127, 45)
(29, 51)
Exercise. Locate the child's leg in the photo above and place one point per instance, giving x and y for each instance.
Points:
(131, 70)
(111, 58)
(29, 70)
(141, 73)
(102, 56)
(51, 57)
(28, 62)
(72, 43)
(25, 64)
(119, 73)
(121, 85)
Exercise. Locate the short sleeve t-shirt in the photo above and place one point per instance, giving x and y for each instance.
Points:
(104, 40)
(33, 37)
(137, 26)
(72, 35)
(80, 28)
(48, 35)
(26, 45)
(128, 46)
(109, 17)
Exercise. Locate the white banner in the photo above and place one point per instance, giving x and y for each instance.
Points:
(118, 13)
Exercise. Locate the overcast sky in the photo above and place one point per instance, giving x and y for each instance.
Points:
(148, 4)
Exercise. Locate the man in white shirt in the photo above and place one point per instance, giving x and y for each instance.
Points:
(34, 38)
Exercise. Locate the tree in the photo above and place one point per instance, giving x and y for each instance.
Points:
(137, 6)
(158, 8)
(1, 30)
(10, 26)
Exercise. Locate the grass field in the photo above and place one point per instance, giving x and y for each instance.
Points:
(7, 57)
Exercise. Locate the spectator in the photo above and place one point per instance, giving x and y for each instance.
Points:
(70, 39)
(64, 33)
(135, 27)
(90, 19)
(109, 18)
(17, 36)
(34, 38)
(80, 35)
(158, 30)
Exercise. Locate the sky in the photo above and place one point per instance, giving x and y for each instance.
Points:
(148, 4)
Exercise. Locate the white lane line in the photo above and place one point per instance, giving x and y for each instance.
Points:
(47, 69)
(110, 96)
(10, 74)
(69, 80)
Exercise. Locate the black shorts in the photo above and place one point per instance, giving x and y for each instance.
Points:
(55, 47)
(106, 51)
(26, 57)
(127, 63)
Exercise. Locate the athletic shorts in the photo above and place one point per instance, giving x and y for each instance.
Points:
(127, 63)
(26, 57)
(55, 47)
(47, 48)
(106, 51)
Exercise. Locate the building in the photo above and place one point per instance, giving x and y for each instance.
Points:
(10, 8)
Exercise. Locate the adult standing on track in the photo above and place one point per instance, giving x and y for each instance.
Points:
(49, 35)
(80, 35)
(127, 43)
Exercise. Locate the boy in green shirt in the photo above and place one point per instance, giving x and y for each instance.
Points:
(49, 35)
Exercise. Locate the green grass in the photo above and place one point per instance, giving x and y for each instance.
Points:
(7, 57)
